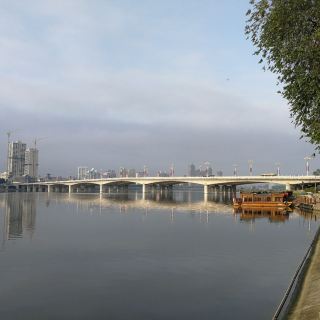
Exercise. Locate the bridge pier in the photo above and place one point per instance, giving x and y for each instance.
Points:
(205, 189)
(205, 197)
(234, 191)
(143, 192)
(288, 187)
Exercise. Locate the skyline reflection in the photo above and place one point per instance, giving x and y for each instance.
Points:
(19, 209)
(19, 215)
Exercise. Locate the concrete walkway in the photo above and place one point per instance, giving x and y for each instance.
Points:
(307, 304)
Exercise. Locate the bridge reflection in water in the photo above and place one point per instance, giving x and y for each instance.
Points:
(19, 209)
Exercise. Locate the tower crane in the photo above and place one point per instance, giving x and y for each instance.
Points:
(36, 140)
(8, 133)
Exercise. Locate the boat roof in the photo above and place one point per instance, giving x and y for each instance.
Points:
(264, 193)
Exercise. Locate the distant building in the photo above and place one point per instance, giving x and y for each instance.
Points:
(109, 174)
(82, 173)
(123, 172)
(219, 173)
(163, 174)
(31, 163)
(140, 174)
(132, 173)
(192, 170)
(3, 175)
(93, 174)
(16, 159)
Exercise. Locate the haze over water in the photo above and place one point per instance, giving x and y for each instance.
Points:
(119, 257)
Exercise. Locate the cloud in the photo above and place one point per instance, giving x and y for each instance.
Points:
(109, 83)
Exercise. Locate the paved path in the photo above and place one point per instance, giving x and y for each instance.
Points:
(307, 305)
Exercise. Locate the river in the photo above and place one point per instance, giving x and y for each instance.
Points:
(170, 256)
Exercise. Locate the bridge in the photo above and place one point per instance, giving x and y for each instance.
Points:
(210, 184)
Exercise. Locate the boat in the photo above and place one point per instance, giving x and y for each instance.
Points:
(264, 199)
(308, 201)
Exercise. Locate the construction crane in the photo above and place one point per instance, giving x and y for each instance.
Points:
(8, 133)
(36, 140)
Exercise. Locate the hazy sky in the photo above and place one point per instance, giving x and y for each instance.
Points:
(141, 82)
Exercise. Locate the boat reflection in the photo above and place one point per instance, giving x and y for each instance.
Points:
(272, 214)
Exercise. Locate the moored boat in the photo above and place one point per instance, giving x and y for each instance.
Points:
(309, 201)
(263, 199)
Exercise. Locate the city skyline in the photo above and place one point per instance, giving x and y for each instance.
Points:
(112, 84)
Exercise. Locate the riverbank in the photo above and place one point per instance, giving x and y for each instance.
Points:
(306, 303)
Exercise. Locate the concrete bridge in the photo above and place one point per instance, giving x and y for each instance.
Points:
(210, 184)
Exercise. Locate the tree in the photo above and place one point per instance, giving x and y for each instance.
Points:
(286, 34)
(317, 172)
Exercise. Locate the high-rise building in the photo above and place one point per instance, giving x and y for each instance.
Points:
(31, 162)
(83, 173)
(192, 170)
(16, 159)
(123, 172)
(93, 174)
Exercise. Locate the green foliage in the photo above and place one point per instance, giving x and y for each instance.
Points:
(317, 172)
(286, 34)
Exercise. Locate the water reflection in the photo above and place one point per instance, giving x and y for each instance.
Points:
(190, 255)
(19, 215)
(168, 201)
(19, 209)
(274, 215)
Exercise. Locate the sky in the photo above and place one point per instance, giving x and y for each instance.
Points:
(123, 83)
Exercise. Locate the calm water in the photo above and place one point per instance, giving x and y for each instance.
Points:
(167, 257)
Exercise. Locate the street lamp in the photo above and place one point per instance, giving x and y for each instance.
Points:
(145, 171)
(235, 166)
(250, 162)
(307, 159)
(278, 168)
(207, 164)
(172, 170)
